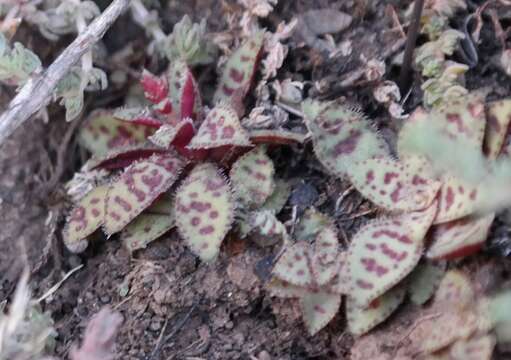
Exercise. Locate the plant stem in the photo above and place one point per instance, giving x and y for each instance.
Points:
(38, 91)
(413, 33)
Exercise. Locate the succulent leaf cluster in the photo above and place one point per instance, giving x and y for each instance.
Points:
(445, 77)
(173, 165)
(431, 214)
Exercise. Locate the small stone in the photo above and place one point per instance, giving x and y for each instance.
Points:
(105, 299)
(155, 325)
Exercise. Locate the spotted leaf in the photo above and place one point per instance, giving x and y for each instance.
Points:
(279, 196)
(276, 137)
(459, 238)
(318, 308)
(384, 252)
(498, 116)
(341, 282)
(180, 133)
(455, 290)
(239, 71)
(150, 225)
(220, 128)
(293, 265)
(204, 210)
(424, 280)
(457, 199)
(324, 264)
(85, 218)
(475, 348)
(342, 137)
(102, 133)
(183, 91)
(310, 224)
(285, 290)
(361, 320)
(252, 177)
(395, 185)
(122, 157)
(137, 188)
(461, 120)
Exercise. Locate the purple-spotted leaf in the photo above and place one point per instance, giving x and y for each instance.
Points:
(459, 238)
(342, 137)
(341, 282)
(102, 133)
(150, 225)
(498, 116)
(461, 120)
(324, 264)
(278, 198)
(183, 91)
(318, 308)
(204, 210)
(85, 218)
(220, 128)
(311, 223)
(455, 290)
(464, 118)
(276, 137)
(137, 188)
(475, 348)
(293, 265)
(252, 177)
(168, 133)
(424, 280)
(456, 199)
(395, 185)
(384, 252)
(239, 71)
(122, 157)
(285, 290)
(361, 320)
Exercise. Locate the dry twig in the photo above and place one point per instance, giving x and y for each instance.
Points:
(37, 92)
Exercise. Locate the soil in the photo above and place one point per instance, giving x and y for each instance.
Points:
(174, 306)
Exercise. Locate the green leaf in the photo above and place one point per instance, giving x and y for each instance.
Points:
(85, 218)
(252, 177)
(361, 320)
(239, 71)
(155, 221)
(342, 137)
(424, 280)
(204, 210)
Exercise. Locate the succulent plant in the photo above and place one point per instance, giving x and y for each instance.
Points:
(173, 147)
(432, 209)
